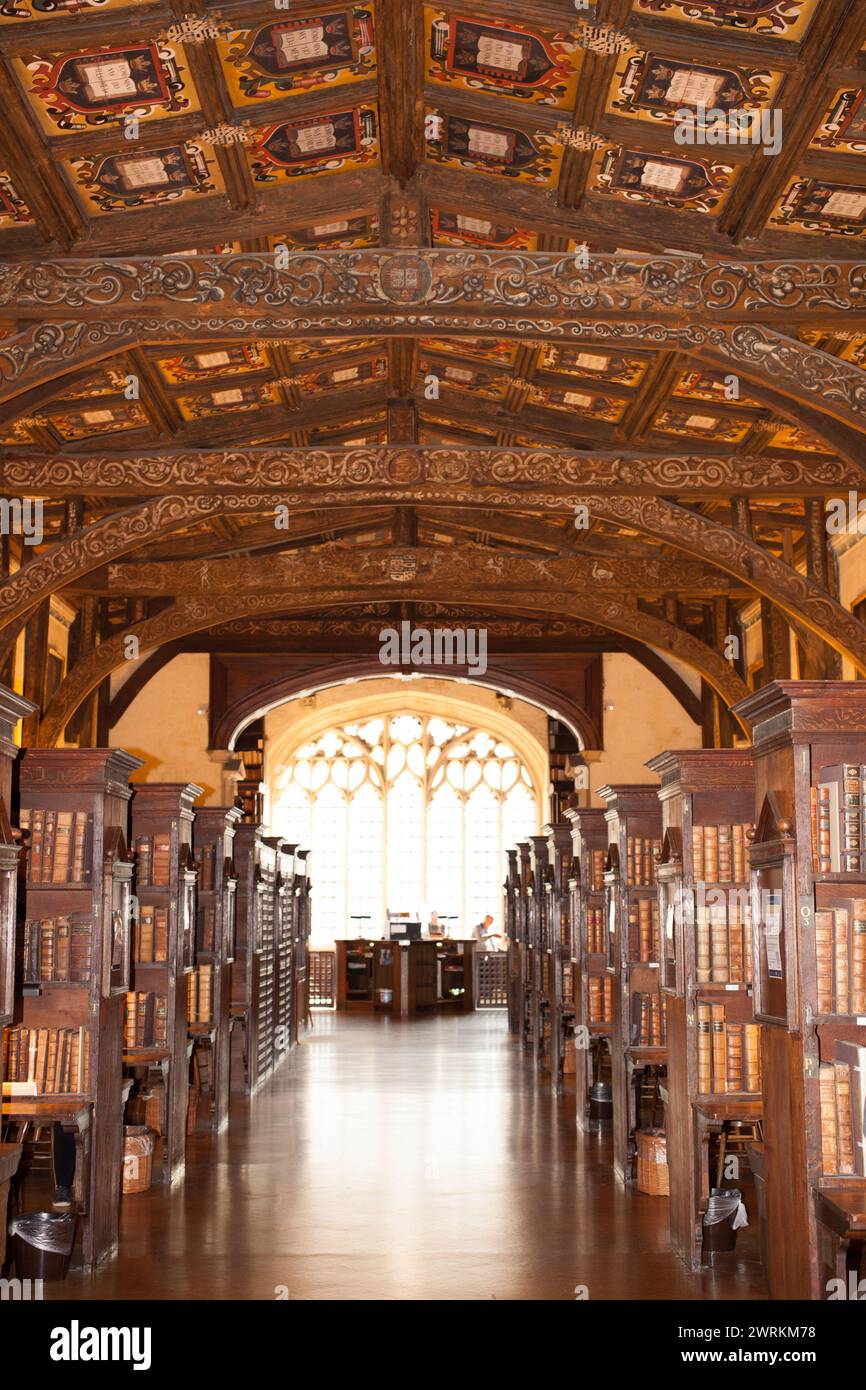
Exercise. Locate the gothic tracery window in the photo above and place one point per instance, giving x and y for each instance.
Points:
(404, 813)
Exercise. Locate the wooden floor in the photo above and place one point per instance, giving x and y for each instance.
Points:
(414, 1160)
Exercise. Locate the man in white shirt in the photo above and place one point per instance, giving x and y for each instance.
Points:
(486, 936)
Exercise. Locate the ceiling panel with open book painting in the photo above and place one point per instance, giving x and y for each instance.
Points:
(147, 178)
(652, 87)
(102, 87)
(507, 150)
(298, 54)
(458, 229)
(333, 234)
(229, 359)
(668, 179)
(787, 19)
(494, 55)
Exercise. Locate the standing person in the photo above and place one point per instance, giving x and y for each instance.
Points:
(485, 934)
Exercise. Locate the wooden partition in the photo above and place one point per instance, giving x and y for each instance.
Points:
(560, 970)
(631, 915)
(164, 955)
(285, 1016)
(524, 937)
(593, 1008)
(12, 709)
(713, 1042)
(510, 911)
(215, 828)
(540, 962)
(76, 967)
(808, 878)
(303, 927)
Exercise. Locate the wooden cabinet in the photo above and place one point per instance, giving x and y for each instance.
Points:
(76, 954)
(540, 963)
(215, 829)
(638, 1049)
(166, 879)
(808, 880)
(713, 1043)
(593, 1010)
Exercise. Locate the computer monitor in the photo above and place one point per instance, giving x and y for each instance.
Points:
(405, 931)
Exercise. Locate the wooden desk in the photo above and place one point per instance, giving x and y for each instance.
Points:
(75, 1114)
(9, 1157)
(840, 1214)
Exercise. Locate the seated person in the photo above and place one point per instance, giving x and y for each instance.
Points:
(485, 934)
(434, 928)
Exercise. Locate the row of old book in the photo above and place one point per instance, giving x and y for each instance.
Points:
(146, 1021)
(150, 935)
(640, 861)
(729, 1054)
(838, 806)
(199, 994)
(648, 1020)
(723, 942)
(598, 859)
(57, 949)
(720, 853)
(643, 930)
(842, 1092)
(58, 849)
(54, 1059)
(153, 861)
(595, 933)
(600, 993)
(840, 951)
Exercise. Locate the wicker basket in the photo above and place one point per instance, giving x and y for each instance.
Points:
(652, 1162)
(137, 1158)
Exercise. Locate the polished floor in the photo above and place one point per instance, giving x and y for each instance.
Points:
(413, 1160)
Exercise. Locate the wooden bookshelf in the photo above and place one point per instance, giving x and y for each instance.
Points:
(799, 730)
(558, 947)
(285, 1018)
(524, 936)
(540, 962)
(214, 833)
(303, 927)
(707, 798)
(12, 708)
(633, 818)
(165, 884)
(75, 804)
(510, 910)
(593, 1016)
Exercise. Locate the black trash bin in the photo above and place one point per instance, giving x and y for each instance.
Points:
(719, 1232)
(601, 1103)
(43, 1242)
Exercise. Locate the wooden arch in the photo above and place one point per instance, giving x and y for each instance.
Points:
(190, 616)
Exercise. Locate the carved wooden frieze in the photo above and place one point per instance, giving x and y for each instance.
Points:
(529, 477)
(439, 569)
(379, 280)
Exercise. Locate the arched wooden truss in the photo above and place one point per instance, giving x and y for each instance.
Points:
(193, 615)
(736, 315)
(740, 316)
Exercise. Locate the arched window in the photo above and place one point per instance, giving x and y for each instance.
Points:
(404, 813)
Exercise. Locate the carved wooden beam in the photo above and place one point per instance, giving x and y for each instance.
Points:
(546, 479)
(197, 615)
(115, 534)
(307, 571)
(377, 282)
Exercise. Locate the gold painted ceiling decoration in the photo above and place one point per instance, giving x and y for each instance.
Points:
(257, 127)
